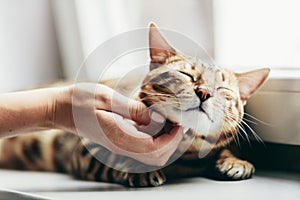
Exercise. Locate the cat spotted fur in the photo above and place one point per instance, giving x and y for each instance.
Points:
(207, 100)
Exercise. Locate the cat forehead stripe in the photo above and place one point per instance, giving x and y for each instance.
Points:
(173, 59)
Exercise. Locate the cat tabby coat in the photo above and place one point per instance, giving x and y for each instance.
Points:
(208, 101)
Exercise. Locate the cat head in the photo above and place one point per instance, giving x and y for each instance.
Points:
(208, 100)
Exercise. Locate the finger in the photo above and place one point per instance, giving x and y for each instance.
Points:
(139, 112)
(123, 133)
(130, 108)
(155, 126)
(172, 139)
(110, 100)
(123, 138)
(167, 145)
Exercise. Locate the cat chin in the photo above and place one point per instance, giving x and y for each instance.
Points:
(196, 144)
(193, 119)
(196, 120)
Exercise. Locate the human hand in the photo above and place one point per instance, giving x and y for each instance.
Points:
(110, 119)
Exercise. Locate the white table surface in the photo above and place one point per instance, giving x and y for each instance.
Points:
(264, 185)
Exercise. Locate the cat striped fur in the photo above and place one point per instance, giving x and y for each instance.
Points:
(207, 100)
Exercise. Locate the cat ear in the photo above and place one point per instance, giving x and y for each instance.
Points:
(249, 82)
(160, 50)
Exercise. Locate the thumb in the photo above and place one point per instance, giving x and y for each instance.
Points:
(131, 109)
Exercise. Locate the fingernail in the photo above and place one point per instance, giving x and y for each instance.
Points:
(185, 129)
(157, 117)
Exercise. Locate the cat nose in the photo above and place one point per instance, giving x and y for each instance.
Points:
(203, 94)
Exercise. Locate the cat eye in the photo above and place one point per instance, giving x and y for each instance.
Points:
(228, 93)
(224, 88)
(189, 75)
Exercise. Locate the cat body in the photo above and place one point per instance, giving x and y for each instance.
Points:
(207, 101)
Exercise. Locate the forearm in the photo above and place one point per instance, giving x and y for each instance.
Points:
(26, 111)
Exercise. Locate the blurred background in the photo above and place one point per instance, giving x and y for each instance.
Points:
(45, 40)
(42, 40)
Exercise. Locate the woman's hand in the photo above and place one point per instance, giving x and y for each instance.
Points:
(93, 111)
(108, 118)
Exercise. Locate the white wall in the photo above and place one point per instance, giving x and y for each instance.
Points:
(66, 26)
(33, 38)
(99, 20)
(257, 33)
(28, 49)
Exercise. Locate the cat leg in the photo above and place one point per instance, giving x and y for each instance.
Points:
(148, 179)
(233, 168)
(85, 166)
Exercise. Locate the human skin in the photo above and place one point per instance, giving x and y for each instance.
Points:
(120, 120)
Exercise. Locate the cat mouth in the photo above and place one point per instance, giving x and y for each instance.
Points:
(200, 109)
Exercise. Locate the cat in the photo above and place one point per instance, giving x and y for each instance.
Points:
(208, 101)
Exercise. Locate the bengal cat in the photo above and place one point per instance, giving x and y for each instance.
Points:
(207, 100)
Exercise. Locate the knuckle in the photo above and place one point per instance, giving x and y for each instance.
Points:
(134, 110)
(161, 162)
(159, 159)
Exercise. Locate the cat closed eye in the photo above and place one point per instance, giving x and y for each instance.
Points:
(226, 93)
(189, 75)
(223, 88)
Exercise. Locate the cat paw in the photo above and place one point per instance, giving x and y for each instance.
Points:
(150, 179)
(234, 169)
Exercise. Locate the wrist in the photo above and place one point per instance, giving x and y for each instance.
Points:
(59, 111)
(29, 110)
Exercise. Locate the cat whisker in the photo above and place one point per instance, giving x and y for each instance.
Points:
(240, 133)
(237, 138)
(241, 130)
(227, 141)
(260, 121)
(250, 121)
(235, 121)
(152, 94)
(246, 134)
(158, 94)
(253, 133)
